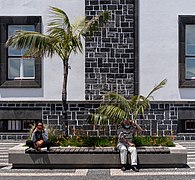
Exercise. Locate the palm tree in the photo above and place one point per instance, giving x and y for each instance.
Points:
(62, 38)
(116, 107)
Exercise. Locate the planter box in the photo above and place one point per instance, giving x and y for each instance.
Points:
(98, 158)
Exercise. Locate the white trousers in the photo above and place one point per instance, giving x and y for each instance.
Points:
(123, 153)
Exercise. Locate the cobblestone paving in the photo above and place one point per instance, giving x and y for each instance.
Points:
(190, 145)
(7, 173)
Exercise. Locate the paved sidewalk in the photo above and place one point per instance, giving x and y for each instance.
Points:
(190, 145)
(4, 147)
(6, 173)
(96, 174)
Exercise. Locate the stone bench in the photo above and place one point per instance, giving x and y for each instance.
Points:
(66, 157)
(109, 150)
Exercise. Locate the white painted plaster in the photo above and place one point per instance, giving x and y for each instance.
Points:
(52, 72)
(158, 47)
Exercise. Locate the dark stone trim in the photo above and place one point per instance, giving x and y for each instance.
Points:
(162, 117)
(91, 102)
(4, 81)
(21, 113)
(183, 20)
(136, 48)
(110, 52)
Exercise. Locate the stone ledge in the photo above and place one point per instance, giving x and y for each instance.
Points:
(98, 150)
(19, 159)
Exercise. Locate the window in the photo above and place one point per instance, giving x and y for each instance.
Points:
(190, 125)
(17, 71)
(186, 51)
(16, 125)
(190, 52)
(18, 67)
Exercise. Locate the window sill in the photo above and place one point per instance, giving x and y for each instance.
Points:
(187, 84)
(21, 84)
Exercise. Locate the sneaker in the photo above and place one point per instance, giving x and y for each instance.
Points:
(134, 168)
(38, 149)
(123, 168)
(30, 150)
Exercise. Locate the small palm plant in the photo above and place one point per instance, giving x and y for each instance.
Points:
(116, 107)
(62, 38)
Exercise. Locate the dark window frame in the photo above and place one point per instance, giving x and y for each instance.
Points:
(5, 123)
(17, 83)
(183, 21)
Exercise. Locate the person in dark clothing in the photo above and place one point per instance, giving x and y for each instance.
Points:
(39, 138)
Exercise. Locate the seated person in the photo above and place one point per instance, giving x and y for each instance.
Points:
(39, 138)
(125, 134)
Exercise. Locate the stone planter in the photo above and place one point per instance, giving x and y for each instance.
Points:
(60, 157)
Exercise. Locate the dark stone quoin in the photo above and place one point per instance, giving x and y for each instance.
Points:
(110, 53)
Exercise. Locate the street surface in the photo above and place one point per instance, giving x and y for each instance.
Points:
(7, 173)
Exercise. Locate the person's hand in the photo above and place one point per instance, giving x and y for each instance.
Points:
(39, 143)
(131, 144)
(35, 130)
(131, 121)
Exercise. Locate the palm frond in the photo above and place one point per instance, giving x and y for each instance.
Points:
(37, 44)
(76, 44)
(59, 19)
(139, 104)
(114, 113)
(118, 100)
(96, 22)
(58, 33)
(116, 107)
(78, 25)
(98, 119)
(157, 87)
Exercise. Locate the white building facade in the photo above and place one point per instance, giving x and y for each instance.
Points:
(160, 47)
(50, 86)
(143, 43)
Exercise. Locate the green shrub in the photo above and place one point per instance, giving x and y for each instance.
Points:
(89, 141)
(57, 138)
(153, 141)
(112, 141)
(98, 141)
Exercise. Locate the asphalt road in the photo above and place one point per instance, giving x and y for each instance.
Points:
(96, 174)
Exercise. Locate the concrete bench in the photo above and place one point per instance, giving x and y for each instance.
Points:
(105, 150)
(66, 157)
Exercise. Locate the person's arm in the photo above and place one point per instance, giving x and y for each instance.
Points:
(123, 140)
(121, 136)
(33, 137)
(45, 135)
(137, 127)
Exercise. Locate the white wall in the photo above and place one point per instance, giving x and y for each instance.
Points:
(52, 68)
(158, 43)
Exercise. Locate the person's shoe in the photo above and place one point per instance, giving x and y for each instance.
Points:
(38, 149)
(123, 168)
(134, 168)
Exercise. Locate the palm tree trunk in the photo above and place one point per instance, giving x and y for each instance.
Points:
(64, 89)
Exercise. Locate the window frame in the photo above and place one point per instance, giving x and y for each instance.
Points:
(183, 21)
(6, 124)
(12, 56)
(5, 21)
(21, 68)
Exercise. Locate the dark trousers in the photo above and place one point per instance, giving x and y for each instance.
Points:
(31, 144)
